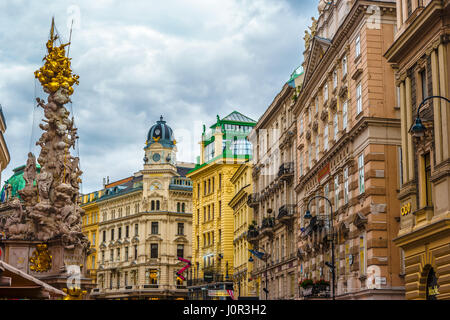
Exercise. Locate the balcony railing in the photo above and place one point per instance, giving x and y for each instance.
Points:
(252, 234)
(286, 170)
(286, 212)
(252, 200)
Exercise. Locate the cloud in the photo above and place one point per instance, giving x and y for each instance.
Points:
(186, 60)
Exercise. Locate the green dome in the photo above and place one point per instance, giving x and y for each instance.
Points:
(16, 181)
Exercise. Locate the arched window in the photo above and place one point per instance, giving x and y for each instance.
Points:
(178, 207)
(183, 207)
(157, 204)
(153, 205)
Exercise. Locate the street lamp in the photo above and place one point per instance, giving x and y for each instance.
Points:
(262, 256)
(330, 220)
(418, 129)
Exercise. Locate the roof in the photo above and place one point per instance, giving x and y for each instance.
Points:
(10, 271)
(160, 133)
(239, 117)
(16, 181)
(182, 171)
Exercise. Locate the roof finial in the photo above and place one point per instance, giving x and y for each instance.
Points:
(161, 118)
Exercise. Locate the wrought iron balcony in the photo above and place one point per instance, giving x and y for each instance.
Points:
(267, 226)
(252, 200)
(252, 234)
(286, 171)
(286, 212)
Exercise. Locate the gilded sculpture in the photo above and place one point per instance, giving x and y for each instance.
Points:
(56, 72)
(41, 260)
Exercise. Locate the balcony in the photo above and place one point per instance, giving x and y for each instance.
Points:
(252, 200)
(286, 213)
(286, 171)
(252, 234)
(267, 226)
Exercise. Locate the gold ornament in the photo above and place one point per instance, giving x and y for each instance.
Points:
(74, 293)
(41, 260)
(56, 72)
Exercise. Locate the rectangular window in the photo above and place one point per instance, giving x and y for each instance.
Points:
(357, 46)
(136, 229)
(301, 164)
(127, 231)
(361, 173)
(429, 200)
(344, 67)
(346, 185)
(335, 126)
(309, 158)
(362, 254)
(325, 137)
(93, 238)
(317, 147)
(344, 115)
(180, 250)
(335, 79)
(220, 209)
(180, 228)
(301, 124)
(154, 227)
(126, 253)
(153, 276)
(112, 234)
(317, 104)
(336, 192)
(154, 250)
(358, 99)
(220, 181)
(111, 255)
(423, 81)
(119, 231)
(118, 254)
(135, 252)
(309, 115)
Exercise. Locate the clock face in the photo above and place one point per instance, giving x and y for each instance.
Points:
(156, 157)
(157, 132)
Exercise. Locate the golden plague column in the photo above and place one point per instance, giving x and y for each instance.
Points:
(43, 232)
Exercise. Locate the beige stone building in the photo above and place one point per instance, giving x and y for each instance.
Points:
(348, 150)
(274, 200)
(145, 226)
(420, 56)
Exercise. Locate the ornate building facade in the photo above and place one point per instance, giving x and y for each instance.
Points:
(221, 153)
(273, 199)
(88, 203)
(420, 56)
(145, 226)
(348, 139)
(244, 285)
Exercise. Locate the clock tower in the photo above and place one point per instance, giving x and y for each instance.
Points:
(160, 164)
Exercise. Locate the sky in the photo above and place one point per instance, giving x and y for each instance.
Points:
(187, 60)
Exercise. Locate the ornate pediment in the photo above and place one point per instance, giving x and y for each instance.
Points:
(154, 237)
(319, 46)
(181, 239)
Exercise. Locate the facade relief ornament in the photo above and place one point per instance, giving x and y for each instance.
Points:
(40, 260)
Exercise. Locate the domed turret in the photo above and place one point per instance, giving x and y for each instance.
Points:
(161, 133)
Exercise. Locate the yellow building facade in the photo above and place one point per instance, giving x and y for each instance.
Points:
(88, 203)
(222, 151)
(420, 57)
(243, 284)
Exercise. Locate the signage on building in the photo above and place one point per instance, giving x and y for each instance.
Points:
(323, 172)
(380, 280)
(405, 209)
(220, 293)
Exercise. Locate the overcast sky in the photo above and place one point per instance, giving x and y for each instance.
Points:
(187, 60)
